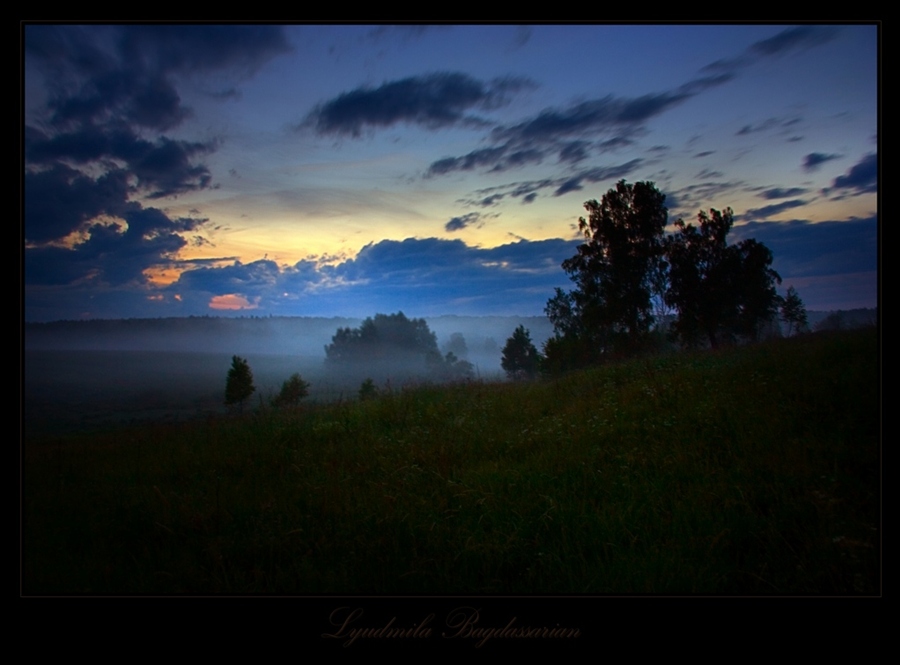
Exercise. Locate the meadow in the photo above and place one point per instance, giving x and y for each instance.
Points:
(749, 471)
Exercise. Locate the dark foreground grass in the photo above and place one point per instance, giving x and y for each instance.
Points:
(748, 471)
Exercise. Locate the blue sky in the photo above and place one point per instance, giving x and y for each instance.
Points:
(348, 170)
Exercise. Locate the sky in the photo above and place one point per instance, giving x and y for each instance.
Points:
(347, 170)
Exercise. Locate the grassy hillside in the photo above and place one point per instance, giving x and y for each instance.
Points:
(747, 471)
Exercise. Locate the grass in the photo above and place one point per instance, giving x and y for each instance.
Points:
(747, 471)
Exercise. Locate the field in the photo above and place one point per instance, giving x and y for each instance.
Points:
(752, 470)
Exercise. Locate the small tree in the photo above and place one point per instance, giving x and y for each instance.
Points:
(367, 390)
(292, 391)
(793, 312)
(520, 357)
(239, 385)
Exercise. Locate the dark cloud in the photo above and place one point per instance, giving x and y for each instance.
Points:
(94, 139)
(861, 178)
(127, 73)
(163, 167)
(803, 249)
(767, 124)
(529, 189)
(459, 223)
(815, 159)
(781, 193)
(439, 275)
(166, 169)
(574, 151)
(490, 200)
(770, 211)
(475, 159)
(599, 174)
(790, 39)
(586, 118)
(59, 200)
(248, 279)
(705, 153)
(433, 101)
(111, 254)
(241, 49)
(569, 132)
(699, 196)
(572, 132)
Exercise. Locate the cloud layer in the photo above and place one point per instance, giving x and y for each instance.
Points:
(433, 101)
(95, 146)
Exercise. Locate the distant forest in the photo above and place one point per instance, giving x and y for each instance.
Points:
(254, 334)
(301, 335)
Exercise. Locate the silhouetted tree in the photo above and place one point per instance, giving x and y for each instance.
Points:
(292, 391)
(239, 385)
(718, 290)
(793, 312)
(384, 337)
(520, 357)
(610, 309)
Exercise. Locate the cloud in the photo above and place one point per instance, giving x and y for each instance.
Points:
(767, 124)
(232, 301)
(781, 193)
(60, 199)
(416, 273)
(127, 73)
(861, 178)
(529, 189)
(686, 201)
(459, 223)
(572, 132)
(433, 101)
(815, 159)
(99, 99)
(792, 39)
(113, 253)
(770, 211)
(598, 174)
(801, 248)
(799, 38)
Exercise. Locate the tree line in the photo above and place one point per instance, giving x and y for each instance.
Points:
(631, 278)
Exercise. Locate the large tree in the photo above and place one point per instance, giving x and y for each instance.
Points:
(610, 308)
(719, 291)
(391, 345)
(386, 337)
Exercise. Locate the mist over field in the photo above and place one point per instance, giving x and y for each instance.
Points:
(93, 373)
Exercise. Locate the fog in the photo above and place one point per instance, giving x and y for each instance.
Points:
(296, 336)
(91, 373)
